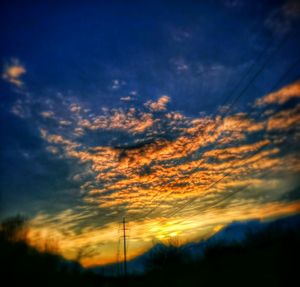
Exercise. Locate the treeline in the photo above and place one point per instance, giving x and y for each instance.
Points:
(23, 265)
(267, 258)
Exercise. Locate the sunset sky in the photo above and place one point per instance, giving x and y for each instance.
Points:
(181, 116)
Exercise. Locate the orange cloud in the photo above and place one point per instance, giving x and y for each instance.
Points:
(284, 120)
(13, 71)
(118, 119)
(282, 96)
(160, 104)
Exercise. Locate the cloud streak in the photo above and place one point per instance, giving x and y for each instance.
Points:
(281, 96)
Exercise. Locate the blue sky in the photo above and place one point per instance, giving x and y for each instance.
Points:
(108, 105)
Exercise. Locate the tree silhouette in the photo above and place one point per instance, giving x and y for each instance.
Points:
(14, 228)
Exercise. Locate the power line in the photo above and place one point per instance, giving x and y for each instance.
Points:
(253, 78)
(245, 75)
(193, 199)
(281, 78)
(224, 198)
(207, 208)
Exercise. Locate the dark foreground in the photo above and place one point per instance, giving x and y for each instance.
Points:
(267, 258)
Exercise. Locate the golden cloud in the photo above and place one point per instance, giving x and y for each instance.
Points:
(13, 72)
(284, 120)
(159, 105)
(118, 119)
(282, 96)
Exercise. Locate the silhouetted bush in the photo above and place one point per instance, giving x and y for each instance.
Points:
(24, 265)
(14, 229)
(166, 257)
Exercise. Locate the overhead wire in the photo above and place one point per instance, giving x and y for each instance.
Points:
(253, 78)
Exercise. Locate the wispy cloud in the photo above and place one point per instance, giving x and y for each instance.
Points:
(281, 19)
(117, 84)
(119, 119)
(159, 105)
(281, 96)
(126, 99)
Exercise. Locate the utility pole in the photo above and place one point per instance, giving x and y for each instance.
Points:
(118, 258)
(124, 249)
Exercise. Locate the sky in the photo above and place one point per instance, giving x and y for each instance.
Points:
(181, 116)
